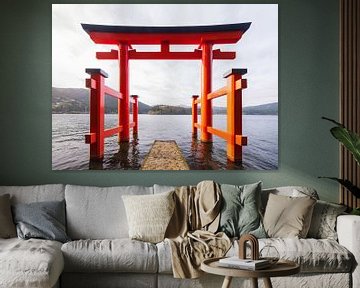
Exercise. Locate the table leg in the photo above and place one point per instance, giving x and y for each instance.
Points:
(227, 282)
(254, 282)
(267, 283)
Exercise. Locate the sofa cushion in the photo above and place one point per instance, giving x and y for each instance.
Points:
(291, 191)
(117, 255)
(30, 263)
(323, 222)
(240, 212)
(287, 216)
(7, 226)
(149, 215)
(43, 220)
(98, 213)
(313, 255)
(35, 193)
(163, 188)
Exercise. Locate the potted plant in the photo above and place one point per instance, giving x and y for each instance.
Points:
(351, 141)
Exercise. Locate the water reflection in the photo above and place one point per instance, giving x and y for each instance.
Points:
(69, 151)
(129, 157)
(201, 156)
(96, 164)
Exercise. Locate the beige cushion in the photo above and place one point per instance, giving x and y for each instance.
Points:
(287, 217)
(7, 226)
(293, 191)
(116, 255)
(149, 215)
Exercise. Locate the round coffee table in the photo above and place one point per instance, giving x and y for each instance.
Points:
(281, 268)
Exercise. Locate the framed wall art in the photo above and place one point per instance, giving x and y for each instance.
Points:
(165, 87)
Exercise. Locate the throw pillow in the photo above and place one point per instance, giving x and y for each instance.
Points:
(288, 217)
(323, 222)
(7, 227)
(240, 213)
(43, 220)
(149, 215)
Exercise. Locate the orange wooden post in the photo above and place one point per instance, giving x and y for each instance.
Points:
(206, 109)
(97, 109)
(135, 110)
(194, 114)
(234, 113)
(123, 104)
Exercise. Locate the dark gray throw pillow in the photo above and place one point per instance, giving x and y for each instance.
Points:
(43, 220)
(240, 213)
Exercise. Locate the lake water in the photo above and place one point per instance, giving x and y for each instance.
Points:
(69, 151)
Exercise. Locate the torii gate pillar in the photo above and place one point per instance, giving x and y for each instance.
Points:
(206, 109)
(123, 104)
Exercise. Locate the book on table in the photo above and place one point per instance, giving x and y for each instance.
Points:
(249, 264)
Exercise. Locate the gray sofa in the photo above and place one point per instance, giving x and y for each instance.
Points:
(101, 254)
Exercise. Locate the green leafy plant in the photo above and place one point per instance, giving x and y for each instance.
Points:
(351, 141)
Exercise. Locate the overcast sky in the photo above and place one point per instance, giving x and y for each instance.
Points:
(160, 81)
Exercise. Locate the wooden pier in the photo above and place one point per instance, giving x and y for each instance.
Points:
(165, 155)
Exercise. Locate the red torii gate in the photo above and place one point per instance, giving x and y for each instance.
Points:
(203, 36)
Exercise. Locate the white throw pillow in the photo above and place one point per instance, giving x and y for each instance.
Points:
(149, 215)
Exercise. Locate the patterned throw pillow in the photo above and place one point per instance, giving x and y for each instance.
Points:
(323, 222)
(149, 215)
(7, 226)
(288, 217)
(240, 213)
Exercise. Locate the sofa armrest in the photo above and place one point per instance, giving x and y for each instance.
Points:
(348, 230)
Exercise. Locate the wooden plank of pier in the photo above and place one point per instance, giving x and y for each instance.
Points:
(165, 155)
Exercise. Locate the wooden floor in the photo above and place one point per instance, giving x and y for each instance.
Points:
(165, 155)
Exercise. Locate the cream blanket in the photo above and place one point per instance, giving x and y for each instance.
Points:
(191, 231)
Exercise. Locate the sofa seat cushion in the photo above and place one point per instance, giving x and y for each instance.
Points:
(115, 255)
(30, 263)
(313, 255)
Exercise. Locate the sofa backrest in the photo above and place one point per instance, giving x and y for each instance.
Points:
(163, 188)
(98, 212)
(35, 193)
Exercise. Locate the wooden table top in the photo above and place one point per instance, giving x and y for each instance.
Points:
(281, 268)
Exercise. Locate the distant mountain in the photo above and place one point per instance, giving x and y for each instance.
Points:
(76, 100)
(265, 109)
(70, 100)
(169, 110)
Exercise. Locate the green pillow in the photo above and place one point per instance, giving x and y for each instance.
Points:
(240, 213)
